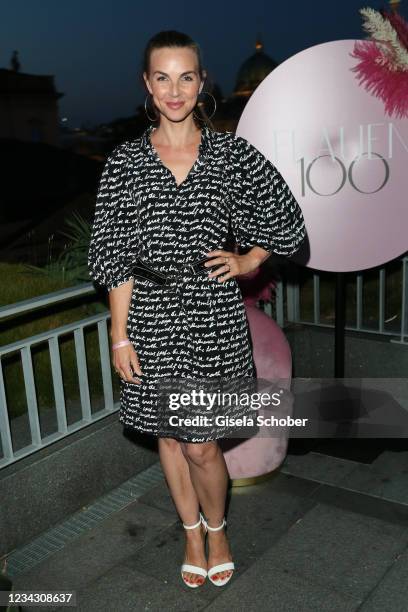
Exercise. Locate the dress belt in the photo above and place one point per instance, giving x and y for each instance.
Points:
(142, 269)
(175, 282)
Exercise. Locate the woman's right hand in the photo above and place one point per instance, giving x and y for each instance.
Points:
(124, 360)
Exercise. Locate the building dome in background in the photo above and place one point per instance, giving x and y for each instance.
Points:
(253, 71)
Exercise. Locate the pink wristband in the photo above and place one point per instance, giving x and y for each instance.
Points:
(119, 344)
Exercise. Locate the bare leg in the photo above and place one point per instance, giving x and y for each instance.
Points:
(209, 476)
(177, 473)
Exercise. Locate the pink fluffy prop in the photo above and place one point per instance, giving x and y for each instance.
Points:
(400, 26)
(377, 71)
(374, 72)
(264, 452)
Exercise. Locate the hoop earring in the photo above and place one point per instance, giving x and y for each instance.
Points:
(215, 106)
(145, 107)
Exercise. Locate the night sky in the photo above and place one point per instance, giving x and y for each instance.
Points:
(94, 47)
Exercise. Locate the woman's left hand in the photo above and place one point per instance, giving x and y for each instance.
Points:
(233, 264)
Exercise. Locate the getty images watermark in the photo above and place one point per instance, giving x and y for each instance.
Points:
(200, 409)
(208, 401)
(203, 409)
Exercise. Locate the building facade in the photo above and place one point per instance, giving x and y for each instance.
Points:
(28, 107)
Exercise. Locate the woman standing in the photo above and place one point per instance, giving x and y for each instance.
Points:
(173, 198)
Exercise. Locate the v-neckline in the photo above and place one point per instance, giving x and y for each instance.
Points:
(200, 146)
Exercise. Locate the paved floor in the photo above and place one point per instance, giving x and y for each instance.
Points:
(327, 533)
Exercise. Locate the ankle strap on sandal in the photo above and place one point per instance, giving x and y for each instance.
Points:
(200, 520)
(224, 522)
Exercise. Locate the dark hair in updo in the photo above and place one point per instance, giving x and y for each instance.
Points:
(172, 38)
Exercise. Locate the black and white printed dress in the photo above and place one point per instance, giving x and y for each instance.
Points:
(198, 329)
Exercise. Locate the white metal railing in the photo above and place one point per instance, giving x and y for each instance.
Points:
(397, 334)
(52, 337)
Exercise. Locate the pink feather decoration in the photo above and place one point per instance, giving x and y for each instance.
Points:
(374, 72)
(400, 26)
(378, 74)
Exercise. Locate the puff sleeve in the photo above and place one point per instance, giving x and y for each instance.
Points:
(264, 211)
(114, 236)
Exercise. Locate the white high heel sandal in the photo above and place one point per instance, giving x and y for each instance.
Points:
(194, 569)
(221, 567)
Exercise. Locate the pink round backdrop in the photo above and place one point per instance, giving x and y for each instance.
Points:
(344, 159)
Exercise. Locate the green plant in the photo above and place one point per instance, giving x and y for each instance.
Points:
(71, 264)
(26, 281)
